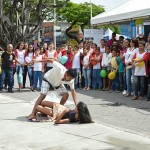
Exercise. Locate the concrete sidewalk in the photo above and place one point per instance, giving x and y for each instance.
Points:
(18, 134)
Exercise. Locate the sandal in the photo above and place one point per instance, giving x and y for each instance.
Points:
(134, 98)
(33, 120)
(88, 88)
(141, 98)
(85, 88)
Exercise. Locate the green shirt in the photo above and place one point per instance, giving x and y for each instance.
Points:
(120, 64)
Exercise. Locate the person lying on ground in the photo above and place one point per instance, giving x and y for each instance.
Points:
(61, 114)
(57, 77)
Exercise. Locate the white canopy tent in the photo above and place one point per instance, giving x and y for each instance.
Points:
(130, 10)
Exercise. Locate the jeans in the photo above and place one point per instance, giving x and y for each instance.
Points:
(139, 85)
(9, 73)
(87, 76)
(121, 80)
(19, 70)
(115, 82)
(148, 92)
(129, 73)
(24, 75)
(125, 83)
(96, 78)
(37, 77)
(76, 81)
(30, 74)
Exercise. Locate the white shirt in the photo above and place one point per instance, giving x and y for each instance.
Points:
(38, 65)
(81, 50)
(56, 74)
(50, 55)
(86, 60)
(97, 66)
(20, 56)
(106, 59)
(140, 71)
(76, 61)
(129, 54)
(102, 50)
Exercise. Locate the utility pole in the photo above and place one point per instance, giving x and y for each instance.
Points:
(54, 28)
(91, 11)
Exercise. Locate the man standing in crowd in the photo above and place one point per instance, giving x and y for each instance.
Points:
(7, 59)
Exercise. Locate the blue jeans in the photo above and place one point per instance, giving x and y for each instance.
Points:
(19, 70)
(9, 73)
(121, 80)
(87, 76)
(148, 92)
(30, 74)
(139, 85)
(76, 81)
(129, 73)
(115, 82)
(96, 78)
(37, 77)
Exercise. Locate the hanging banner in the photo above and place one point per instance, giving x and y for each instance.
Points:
(93, 35)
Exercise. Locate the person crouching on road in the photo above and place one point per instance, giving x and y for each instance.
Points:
(56, 77)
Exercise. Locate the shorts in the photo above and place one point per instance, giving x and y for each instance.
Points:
(45, 88)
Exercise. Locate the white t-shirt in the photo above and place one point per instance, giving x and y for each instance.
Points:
(51, 54)
(76, 61)
(102, 50)
(140, 71)
(106, 59)
(81, 50)
(129, 54)
(97, 66)
(56, 74)
(86, 60)
(30, 55)
(38, 65)
(20, 56)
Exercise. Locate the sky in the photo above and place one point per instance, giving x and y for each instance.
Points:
(108, 4)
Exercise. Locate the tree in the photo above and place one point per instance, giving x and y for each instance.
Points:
(77, 14)
(21, 19)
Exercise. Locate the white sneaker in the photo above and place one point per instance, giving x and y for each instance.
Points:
(124, 92)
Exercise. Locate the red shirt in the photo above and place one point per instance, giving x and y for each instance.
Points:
(68, 64)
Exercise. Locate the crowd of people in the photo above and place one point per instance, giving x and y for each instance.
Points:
(128, 59)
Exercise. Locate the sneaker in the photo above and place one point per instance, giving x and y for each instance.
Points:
(124, 92)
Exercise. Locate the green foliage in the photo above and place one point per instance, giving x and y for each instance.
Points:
(79, 13)
(114, 28)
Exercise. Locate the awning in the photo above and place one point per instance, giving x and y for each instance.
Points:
(131, 10)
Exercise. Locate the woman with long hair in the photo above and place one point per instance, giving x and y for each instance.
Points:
(30, 54)
(61, 114)
(20, 54)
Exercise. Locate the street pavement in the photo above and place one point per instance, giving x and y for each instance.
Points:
(120, 124)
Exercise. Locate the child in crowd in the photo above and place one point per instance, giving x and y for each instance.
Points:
(50, 54)
(69, 54)
(114, 66)
(102, 47)
(106, 65)
(38, 69)
(59, 53)
(76, 64)
(30, 54)
(96, 59)
(86, 69)
(121, 68)
(7, 60)
(140, 71)
(20, 55)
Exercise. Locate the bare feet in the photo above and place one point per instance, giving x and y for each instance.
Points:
(30, 116)
(88, 88)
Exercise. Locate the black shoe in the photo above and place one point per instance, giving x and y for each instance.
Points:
(10, 91)
(148, 99)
